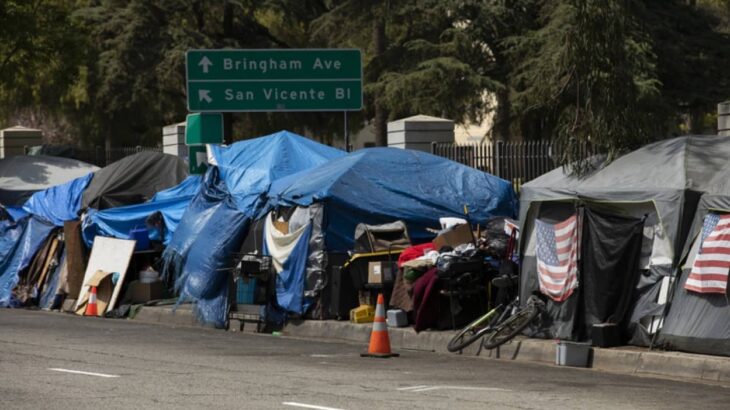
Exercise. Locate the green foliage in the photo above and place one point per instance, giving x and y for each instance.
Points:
(613, 73)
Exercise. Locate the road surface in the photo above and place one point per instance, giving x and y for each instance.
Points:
(60, 361)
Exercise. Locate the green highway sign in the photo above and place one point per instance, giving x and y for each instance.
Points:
(204, 128)
(197, 159)
(274, 80)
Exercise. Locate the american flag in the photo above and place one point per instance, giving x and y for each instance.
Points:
(710, 269)
(558, 247)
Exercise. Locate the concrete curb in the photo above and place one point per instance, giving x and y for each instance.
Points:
(168, 315)
(624, 360)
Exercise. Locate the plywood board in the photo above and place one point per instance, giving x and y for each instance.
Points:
(109, 255)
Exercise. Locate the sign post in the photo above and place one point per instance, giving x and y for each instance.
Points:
(274, 80)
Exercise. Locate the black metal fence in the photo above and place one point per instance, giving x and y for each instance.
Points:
(517, 162)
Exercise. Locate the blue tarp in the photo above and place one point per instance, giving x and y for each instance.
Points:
(59, 203)
(381, 185)
(13, 212)
(216, 221)
(290, 280)
(19, 242)
(118, 222)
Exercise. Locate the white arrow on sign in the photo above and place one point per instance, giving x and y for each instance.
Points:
(204, 96)
(200, 158)
(205, 63)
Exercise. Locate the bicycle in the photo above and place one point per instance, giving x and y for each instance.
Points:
(501, 324)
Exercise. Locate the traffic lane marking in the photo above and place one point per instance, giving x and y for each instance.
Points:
(83, 373)
(419, 389)
(307, 406)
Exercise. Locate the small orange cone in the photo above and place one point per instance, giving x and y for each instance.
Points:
(91, 304)
(379, 339)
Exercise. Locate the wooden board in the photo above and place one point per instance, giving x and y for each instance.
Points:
(109, 255)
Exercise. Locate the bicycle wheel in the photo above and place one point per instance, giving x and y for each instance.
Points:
(473, 331)
(511, 327)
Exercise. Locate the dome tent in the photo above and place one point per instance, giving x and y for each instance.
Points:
(23, 175)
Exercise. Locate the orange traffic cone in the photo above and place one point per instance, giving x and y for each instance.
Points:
(379, 339)
(91, 304)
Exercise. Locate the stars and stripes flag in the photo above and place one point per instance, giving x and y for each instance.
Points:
(709, 272)
(558, 247)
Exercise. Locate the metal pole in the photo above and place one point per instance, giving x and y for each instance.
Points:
(347, 135)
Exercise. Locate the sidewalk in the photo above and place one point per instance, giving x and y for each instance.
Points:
(625, 360)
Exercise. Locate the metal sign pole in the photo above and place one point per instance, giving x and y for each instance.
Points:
(347, 135)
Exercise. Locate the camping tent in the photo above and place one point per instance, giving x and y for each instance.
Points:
(658, 187)
(700, 322)
(214, 224)
(133, 180)
(381, 185)
(117, 222)
(21, 176)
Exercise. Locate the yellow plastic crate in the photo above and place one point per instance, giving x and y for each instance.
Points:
(362, 314)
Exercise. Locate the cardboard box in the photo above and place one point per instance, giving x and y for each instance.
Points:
(380, 272)
(457, 235)
(144, 292)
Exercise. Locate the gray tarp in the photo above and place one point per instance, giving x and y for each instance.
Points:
(670, 174)
(133, 180)
(23, 175)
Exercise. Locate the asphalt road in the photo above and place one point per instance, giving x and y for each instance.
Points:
(181, 368)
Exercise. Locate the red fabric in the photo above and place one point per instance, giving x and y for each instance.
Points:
(425, 301)
(414, 252)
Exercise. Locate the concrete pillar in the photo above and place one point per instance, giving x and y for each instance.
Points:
(419, 131)
(723, 119)
(14, 140)
(173, 140)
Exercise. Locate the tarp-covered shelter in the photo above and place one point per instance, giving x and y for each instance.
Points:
(23, 175)
(700, 322)
(657, 187)
(378, 186)
(382, 185)
(19, 242)
(217, 219)
(133, 180)
(60, 203)
(169, 205)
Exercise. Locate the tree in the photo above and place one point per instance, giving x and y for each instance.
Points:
(39, 51)
(416, 61)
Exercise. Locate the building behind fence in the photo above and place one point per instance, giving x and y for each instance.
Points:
(517, 162)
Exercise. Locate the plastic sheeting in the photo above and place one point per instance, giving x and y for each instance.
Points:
(21, 176)
(118, 222)
(289, 255)
(19, 242)
(133, 180)
(59, 203)
(381, 185)
(216, 221)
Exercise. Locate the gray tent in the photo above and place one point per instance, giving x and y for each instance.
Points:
(657, 187)
(700, 322)
(23, 175)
